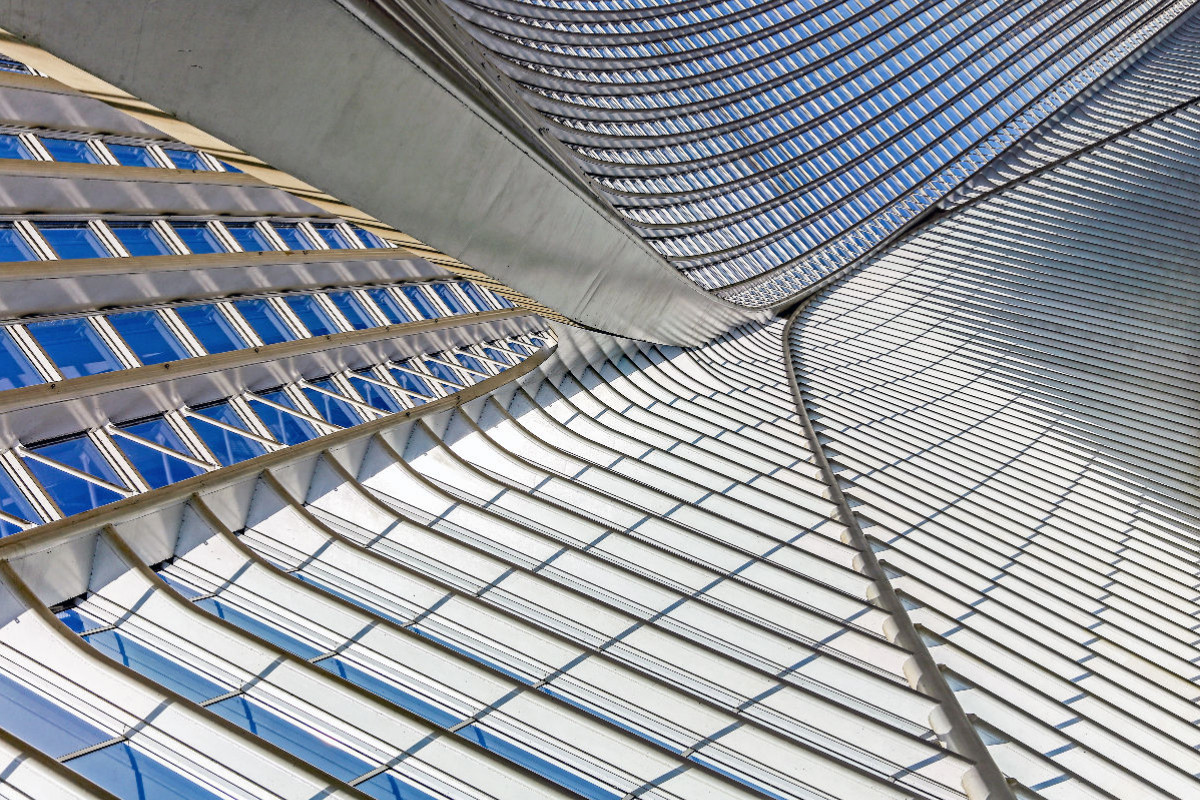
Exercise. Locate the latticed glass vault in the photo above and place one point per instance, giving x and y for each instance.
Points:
(295, 504)
(758, 147)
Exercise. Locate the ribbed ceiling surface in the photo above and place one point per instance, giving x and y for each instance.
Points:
(759, 146)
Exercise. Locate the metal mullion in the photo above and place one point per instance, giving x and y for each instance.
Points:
(371, 306)
(335, 313)
(419, 369)
(271, 444)
(471, 370)
(298, 328)
(348, 232)
(358, 404)
(35, 146)
(21, 523)
(300, 398)
(397, 391)
(108, 238)
(176, 325)
(406, 304)
(24, 452)
(118, 460)
(432, 297)
(159, 155)
(114, 341)
(113, 430)
(485, 357)
(312, 235)
(178, 423)
(34, 238)
(29, 486)
(33, 351)
(99, 147)
(224, 236)
(482, 356)
(213, 163)
(250, 396)
(243, 328)
(168, 234)
(268, 230)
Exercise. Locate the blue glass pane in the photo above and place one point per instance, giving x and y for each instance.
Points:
(519, 349)
(15, 369)
(248, 237)
(41, 723)
(230, 167)
(446, 293)
(158, 468)
(140, 238)
(470, 362)
(333, 237)
(376, 396)
(265, 321)
(72, 495)
(11, 146)
(210, 326)
(9, 65)
(76, 620)
(331, 409)
(389, 692)
(389, 787)
(13, 246)
(258, 628)
(73, 240)
(285, 427)
(293, 237)
(160, 432)
(187, 159)
(131, 155)
(226, 446)
(223, 412)
(440, 370)
(562, 777)
(148, 337)
(411, 382)
(389, 306)
(306, 307)
(128, 773)
(198, 238)
(369, 239)
(13, 503)
(154, 666)
(81, 453)
(420, 301)
(74, 151)
(498, 355)
(352, 310)
(74, 346)
(295, 740)
(476, 296)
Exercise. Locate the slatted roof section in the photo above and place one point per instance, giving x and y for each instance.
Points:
(1010, 400)
(1160, 80)
(759, 147)
(620, 576)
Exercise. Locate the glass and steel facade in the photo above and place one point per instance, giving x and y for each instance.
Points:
(760, 147)
(292, 506)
